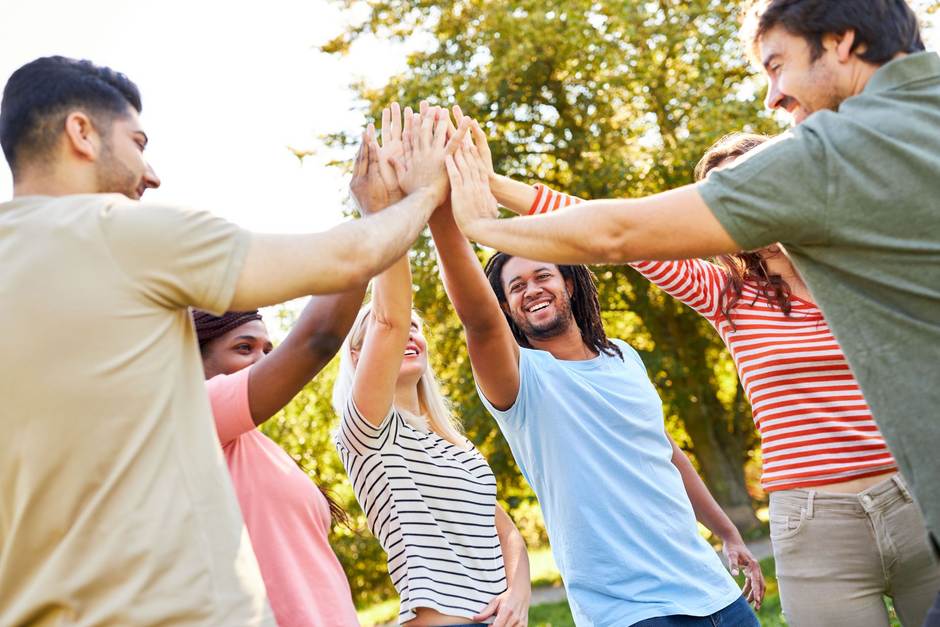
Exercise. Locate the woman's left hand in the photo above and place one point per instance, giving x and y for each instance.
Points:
(511, 608)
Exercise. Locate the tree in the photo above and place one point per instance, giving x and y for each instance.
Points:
(599, 99)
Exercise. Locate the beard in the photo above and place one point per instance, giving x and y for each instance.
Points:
(113, 176)
(553, 327)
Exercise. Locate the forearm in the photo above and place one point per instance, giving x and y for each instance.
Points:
(278, 268)
(515, 555)
(672, 225)
(392, 295)
(706, 508)
(514, 195)
(464, 281)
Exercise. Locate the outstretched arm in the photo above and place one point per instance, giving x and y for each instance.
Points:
(709, 513)
(281, 267)
(309, 346)
(494, 354)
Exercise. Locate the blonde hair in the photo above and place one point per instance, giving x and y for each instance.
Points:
(433, 405)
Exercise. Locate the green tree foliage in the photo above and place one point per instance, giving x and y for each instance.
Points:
(599, 99)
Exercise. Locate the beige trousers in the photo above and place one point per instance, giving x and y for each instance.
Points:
(838, 554)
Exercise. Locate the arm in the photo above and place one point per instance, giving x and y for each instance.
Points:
(512, 606)
(710, 514)
(671, 225)
(494, 354)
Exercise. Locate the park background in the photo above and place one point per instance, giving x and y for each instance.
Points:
(253, 112)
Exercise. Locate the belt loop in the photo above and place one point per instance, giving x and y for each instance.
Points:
(902, 487)
(809, 503)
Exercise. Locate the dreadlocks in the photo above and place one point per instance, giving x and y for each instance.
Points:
(584, 304)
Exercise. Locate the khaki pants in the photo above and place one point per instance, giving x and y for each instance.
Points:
(837, 554)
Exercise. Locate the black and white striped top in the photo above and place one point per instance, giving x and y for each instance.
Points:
(432, 506)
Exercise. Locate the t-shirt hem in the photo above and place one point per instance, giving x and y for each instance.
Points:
(409, 612)
(715, 605)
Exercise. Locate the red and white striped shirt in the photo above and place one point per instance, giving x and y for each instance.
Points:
(815, 426)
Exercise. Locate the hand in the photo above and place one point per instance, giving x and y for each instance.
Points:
(470, 196)
(739, 556)
(421, 165)
(392, 147)
(511, 608)
(373, 185)
(479, 140)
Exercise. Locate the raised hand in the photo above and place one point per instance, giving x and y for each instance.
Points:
(424, 138)
(470, 195)
(479, 140)
(374, 185)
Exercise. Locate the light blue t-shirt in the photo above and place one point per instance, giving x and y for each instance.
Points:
(590, 439)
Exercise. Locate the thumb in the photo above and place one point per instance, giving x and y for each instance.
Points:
(489, 610)
(399, 166)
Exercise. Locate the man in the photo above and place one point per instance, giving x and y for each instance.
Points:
(115, 505)
(586, 427)
(851, 192)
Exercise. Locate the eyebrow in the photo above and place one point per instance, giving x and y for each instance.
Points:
(251, 338)
(518, 277)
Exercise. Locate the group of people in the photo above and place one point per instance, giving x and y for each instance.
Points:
(131, 496)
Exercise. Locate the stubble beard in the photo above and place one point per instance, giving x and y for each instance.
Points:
(113, 177)
(551, 328)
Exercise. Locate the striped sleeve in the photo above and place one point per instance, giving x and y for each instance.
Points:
(695, 282)
(359, 436)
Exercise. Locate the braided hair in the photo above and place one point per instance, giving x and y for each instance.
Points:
(584, 304)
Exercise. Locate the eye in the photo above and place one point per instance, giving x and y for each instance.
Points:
(515, 287)
(544, 275)
(243, 347)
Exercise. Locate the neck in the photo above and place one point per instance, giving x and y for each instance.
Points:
(568, 345)
(863, 73)
(406, 397)
(56, 182)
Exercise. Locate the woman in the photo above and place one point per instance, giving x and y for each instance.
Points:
(288, 518)
(844, 528)
(429, 496)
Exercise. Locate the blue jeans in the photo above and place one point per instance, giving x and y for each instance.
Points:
(738, 614)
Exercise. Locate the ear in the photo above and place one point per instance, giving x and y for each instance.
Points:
(82, 137)
(844, 45)
(569, 285)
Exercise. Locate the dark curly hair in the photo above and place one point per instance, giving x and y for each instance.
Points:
(584, 304)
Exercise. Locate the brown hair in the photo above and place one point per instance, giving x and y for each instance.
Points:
(883, 28)
(745, 266)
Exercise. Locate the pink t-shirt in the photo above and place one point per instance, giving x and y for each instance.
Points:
(288, 519)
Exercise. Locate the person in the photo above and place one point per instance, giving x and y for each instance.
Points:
(287, 517)
(839, 510)
(586, 428)
(849, 192)
(428, 494)
(115, 504)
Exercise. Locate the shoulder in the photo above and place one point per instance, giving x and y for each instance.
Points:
(629, 353)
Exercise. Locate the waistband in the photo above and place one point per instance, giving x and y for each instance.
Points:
(876, 497)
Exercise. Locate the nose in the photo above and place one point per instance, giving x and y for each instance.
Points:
(774, 98)
(151, 180)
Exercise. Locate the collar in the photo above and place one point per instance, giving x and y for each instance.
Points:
(907, 69)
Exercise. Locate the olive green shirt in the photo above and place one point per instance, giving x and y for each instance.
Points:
(854, 196)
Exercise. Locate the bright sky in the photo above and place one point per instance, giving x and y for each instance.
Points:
(227, 87)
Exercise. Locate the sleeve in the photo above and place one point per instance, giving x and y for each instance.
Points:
(515, 415)
(779, 192)
(695, 282)
(228, 396)
(360, 437)
(176, 257)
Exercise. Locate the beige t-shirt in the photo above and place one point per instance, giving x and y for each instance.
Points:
(115, 504)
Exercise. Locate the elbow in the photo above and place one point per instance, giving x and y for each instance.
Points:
(612, 247)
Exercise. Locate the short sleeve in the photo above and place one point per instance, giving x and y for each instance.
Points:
(359, 436)
(228, 396)
(528, 378)
(176, 257)
(778, 192)
(695, 282)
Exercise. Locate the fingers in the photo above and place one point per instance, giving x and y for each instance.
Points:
(453, 173)
(488, 611)
(386, 126)
(427, 123)
(442, 125)
(408, 131)
(372, 148)
(423, 107)
(361, 162)
(456, 140)
(458, 113)
(395, 122)
(479, 139)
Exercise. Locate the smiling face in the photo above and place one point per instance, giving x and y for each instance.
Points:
(414, 362)
(121, 167)
(537, 297)
(241, 347)
(796, 82)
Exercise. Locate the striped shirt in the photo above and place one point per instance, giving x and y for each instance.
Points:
(815, 426)
(432, 507)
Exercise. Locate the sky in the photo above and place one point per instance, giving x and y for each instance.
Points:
(227, 88)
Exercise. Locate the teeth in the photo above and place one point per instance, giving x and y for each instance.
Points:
(410, 353)
(538, 307)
